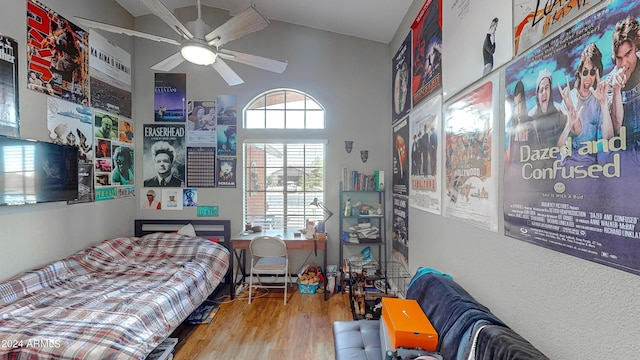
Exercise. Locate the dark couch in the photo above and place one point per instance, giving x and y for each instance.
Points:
(466, 329)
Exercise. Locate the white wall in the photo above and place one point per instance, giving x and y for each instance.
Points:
(567, 307)
(33, 235)
(350, 77)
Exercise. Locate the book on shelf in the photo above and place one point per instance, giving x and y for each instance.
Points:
(357, 181)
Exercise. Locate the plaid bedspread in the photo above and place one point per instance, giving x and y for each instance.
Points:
(116, 300)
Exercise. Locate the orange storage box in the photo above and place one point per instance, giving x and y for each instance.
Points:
(407, 324)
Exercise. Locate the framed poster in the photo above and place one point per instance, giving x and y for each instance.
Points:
(477, 38)
(471, 177)
(533, 20)
(573, 140)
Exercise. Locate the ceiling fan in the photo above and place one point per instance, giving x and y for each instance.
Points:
(201, 45)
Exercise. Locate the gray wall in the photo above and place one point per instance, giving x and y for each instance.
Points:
(33, 235)
(567, 307)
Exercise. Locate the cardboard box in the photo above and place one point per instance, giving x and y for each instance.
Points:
(407, 325)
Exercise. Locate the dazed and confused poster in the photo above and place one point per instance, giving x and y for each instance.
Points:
(573, 140)
(471, 177)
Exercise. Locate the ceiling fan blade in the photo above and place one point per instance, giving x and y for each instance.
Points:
(227, 73)
(169, 63)
(120, 30)
(246, 22)
(253, 60)
(161, 11)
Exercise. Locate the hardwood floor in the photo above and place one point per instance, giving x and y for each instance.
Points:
(266, 328)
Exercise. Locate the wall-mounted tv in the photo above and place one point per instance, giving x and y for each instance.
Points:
(36, 171)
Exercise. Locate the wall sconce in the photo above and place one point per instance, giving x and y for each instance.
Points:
(348, 145)
(364, 155)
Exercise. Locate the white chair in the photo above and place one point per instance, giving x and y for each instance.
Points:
(268, 257)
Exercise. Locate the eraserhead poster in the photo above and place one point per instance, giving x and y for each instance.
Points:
(572, 140)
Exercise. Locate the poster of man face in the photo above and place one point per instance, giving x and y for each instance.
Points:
(533, 20)
(9, 109)
(57, 55)
(400, 77)
(471, 181)
(573, 140)
(427, 51)
(164, 155)
(170, 101)
(477, 39)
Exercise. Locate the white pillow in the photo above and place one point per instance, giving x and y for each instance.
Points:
(187, 230)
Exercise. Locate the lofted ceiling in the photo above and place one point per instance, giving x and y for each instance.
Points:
(375, 20)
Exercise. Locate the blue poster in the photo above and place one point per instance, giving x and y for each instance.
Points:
(170, 97)
(572, 143)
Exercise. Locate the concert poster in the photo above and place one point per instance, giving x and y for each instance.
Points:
(477, 39)
(471, 172)
(534, 20)
(170, 101)
(110, 75)
(427, 51)
(572, 163)
(400, 155)
(9, 109)
(57, 55)
(401, 68)
(425, 129)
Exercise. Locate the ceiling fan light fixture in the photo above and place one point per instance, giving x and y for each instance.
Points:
(198, 53)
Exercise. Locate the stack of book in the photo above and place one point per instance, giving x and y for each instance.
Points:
(164, 351)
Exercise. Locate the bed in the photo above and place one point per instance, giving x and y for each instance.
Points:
(118, 299)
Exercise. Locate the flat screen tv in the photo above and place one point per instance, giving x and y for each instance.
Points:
(36, 171)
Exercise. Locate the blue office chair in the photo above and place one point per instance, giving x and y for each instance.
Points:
(268, 257)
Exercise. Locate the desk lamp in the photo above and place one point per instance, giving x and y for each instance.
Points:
(321, 205)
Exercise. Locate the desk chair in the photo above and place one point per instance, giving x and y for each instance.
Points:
(268, 257)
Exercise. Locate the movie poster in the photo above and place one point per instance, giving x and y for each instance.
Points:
(427, 51)
(227, 142)
(425, 126)
(110, 75)
(401, 157)
(534, 19)
(477, 38)
(400, 71)
(71, 124)
(226, 172)
(9, 109)
(471, 177)
(201, 122)
(400, 234)
(227, 110)
(170, 101)
(164, 155)
(57, 55)
(573, 139)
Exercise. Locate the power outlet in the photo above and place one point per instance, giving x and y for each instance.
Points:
(242, 287)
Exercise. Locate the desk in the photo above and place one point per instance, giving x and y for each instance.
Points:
(241, 242)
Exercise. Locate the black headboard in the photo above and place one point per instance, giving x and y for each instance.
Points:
(208, 229)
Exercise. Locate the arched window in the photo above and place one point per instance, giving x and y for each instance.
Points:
(284, 109)
(282, 177)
